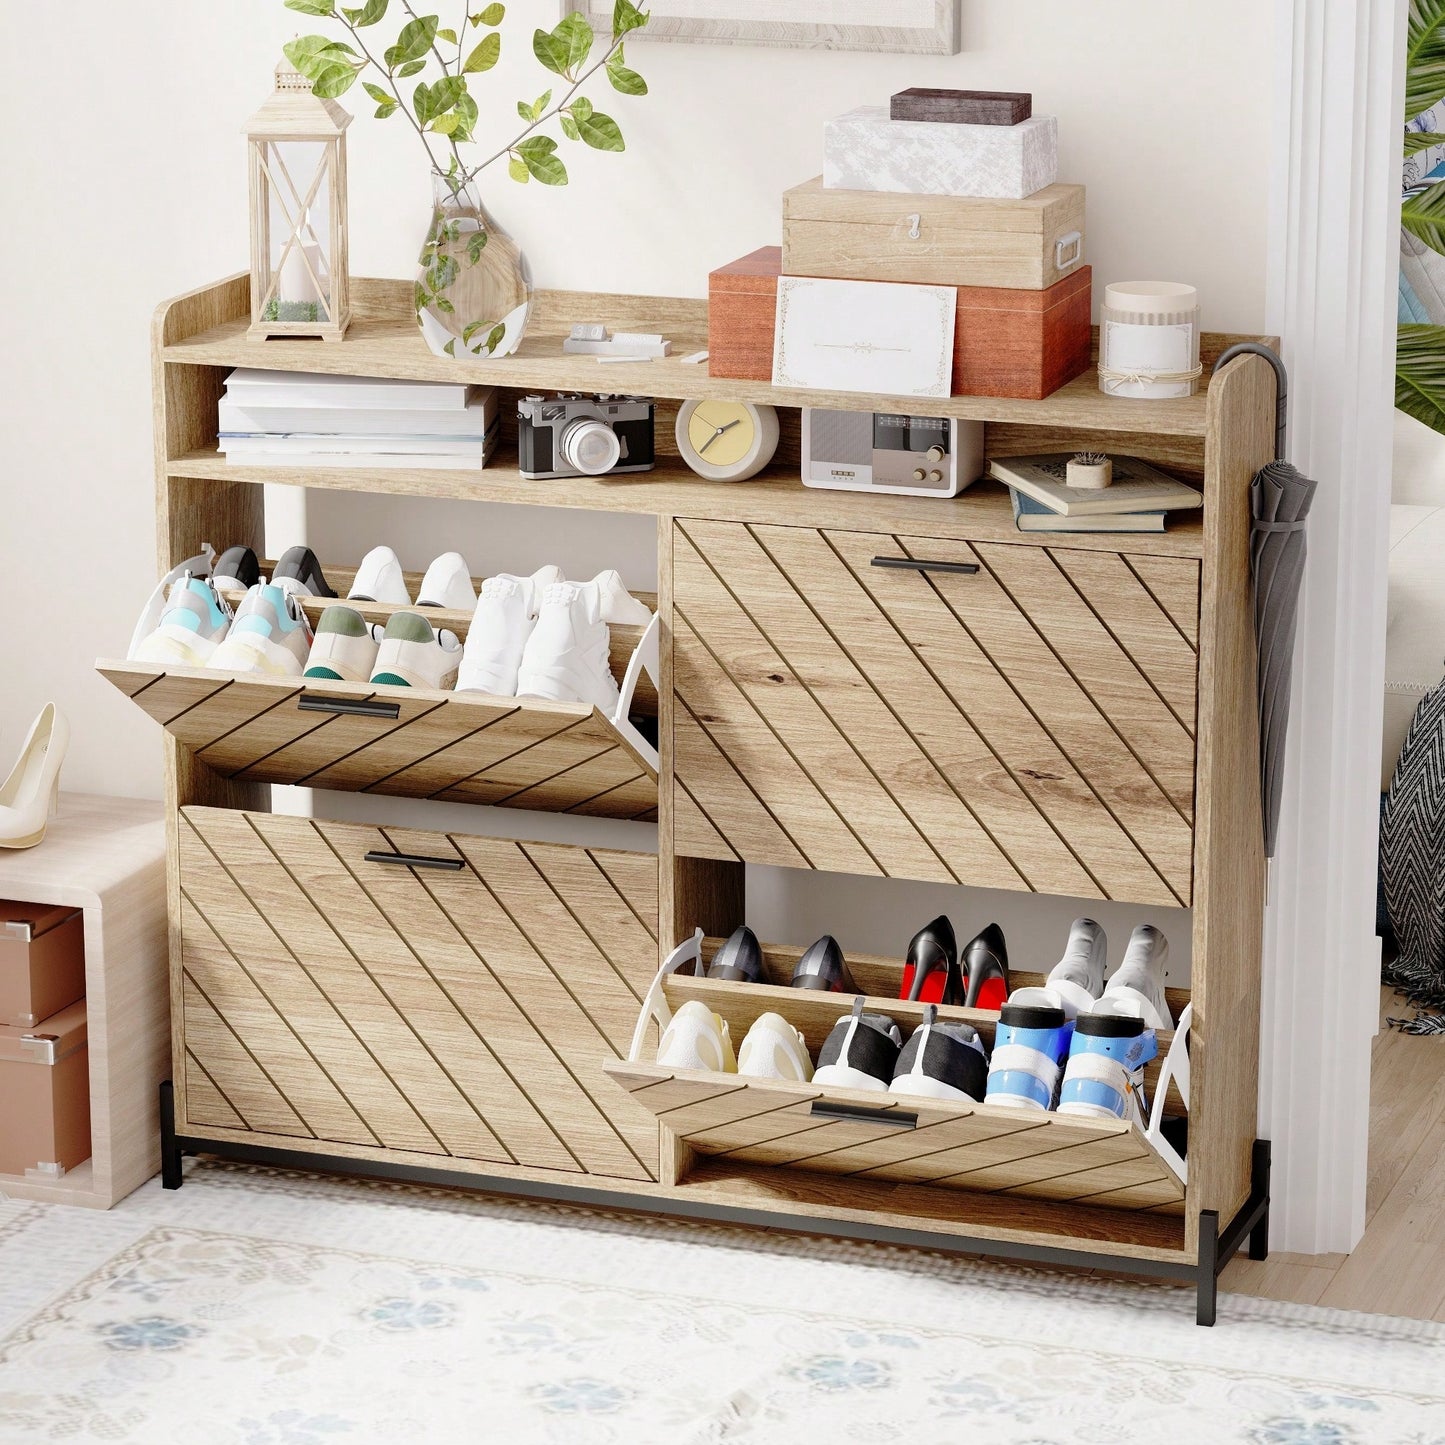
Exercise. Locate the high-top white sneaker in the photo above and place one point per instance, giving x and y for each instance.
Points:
(448, 583)
(567, 655)
(505, 616)
(1137, 987)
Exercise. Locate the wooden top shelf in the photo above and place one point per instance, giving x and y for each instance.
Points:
(383, 341)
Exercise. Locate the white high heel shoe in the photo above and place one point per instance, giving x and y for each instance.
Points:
(31, 794)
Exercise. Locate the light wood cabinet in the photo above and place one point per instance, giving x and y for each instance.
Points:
(1064, 715)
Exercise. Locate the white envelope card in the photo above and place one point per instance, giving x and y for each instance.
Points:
(878, 336)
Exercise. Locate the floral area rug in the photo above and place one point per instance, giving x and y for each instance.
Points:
(262, 1308)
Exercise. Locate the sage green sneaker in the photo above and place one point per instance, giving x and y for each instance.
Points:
(345, 647)
(414, 654)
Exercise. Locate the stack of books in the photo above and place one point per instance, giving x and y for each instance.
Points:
(287, 419)
(1139, 499)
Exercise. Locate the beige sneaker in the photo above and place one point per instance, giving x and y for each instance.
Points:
(414, 654)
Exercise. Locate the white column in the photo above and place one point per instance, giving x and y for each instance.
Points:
(1333, 266)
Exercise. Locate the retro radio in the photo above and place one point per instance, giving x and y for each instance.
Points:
(885, 451)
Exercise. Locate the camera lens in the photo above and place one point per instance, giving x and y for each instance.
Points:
(591, 446)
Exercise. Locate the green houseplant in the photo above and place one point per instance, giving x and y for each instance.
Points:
(1420, 355)
(473, 290)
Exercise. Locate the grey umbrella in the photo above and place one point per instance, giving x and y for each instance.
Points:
(1279, 499)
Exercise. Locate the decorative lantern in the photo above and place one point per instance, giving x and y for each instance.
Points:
(299, 283)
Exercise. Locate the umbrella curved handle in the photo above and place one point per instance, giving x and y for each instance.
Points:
(1281, 381)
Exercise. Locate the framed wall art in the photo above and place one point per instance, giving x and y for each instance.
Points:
(923, 27)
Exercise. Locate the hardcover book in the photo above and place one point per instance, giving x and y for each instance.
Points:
(1137, 486)
(1033, 516)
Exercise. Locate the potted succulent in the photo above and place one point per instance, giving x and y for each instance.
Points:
(473, 290)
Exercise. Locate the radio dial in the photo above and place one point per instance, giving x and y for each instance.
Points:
(935, 475)
(935, 454)
(919, 474)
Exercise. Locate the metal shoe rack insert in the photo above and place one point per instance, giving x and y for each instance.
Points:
(447, 1009)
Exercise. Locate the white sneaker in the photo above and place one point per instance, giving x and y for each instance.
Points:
(697, 1039)
(379, 579)
(1137, 987)
(345, 647)
(506, 613)
(616, 604)
(448, 583)
(567, 658)
(414, 654)
(774, 1049)
(270, 635)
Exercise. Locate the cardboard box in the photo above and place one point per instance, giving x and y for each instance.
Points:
(45, 1095)
(1013, 343)
(42, 961)
(1026, 245)
(867, 150)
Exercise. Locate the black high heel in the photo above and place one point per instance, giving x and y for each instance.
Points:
(740, 959)
(931, 973)
(986, 963)
(823, 968)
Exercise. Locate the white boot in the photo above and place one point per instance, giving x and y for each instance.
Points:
(32, 791)
(1078, 977)
(568, 655)
(1137, 988)
(505, 616)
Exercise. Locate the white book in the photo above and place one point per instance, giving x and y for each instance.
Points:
(240, 418)
(365, 461)
(302, 443)
(1137, 486)
(252, 386)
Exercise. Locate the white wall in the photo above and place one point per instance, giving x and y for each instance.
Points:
(124, 167)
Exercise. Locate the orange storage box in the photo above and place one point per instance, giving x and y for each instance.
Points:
(45, 1095)
(1024, 344)
(42, 961)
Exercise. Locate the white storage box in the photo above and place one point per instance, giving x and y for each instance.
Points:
(866, 150)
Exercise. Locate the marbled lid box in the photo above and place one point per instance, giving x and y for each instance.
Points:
(866, 150)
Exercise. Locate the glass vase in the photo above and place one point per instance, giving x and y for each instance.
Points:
(474, 288)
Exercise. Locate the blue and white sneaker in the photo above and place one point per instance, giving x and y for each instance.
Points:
(193, 625)
(1104, 1078)
(270, 634)
(1030, 1046)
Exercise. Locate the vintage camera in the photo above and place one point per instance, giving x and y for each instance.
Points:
(571, 435)
(885, 451)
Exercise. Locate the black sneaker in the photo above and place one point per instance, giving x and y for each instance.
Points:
(985, 961)
(740, 959)
(823, 968)
(942, 1061)
(299, 571)
(237, 570)
(860, 1053)
(930, 973)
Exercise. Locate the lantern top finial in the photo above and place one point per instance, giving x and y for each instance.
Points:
(292, 112)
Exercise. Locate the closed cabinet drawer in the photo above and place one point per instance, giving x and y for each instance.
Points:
(1028, 724)
(404, 991)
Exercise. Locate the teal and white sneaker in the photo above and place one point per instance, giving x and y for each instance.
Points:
(270, 635)
(414, 654)
(345, 647)
(194, 623)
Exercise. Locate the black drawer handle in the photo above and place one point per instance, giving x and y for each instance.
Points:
(355, 706)
(416, 860)
(911, 564)
(860, 1114)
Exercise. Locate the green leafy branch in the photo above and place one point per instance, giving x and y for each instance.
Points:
(445, 108)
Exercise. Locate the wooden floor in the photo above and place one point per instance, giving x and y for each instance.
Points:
(1399, 1266)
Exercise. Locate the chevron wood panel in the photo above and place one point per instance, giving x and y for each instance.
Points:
(1175, 586)
(461, 747)
(461, 1014)
(1028, 727)
(982, 1148)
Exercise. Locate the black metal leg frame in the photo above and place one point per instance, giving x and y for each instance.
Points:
(1216, 1246)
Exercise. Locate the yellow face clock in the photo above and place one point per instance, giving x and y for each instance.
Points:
(726, 441)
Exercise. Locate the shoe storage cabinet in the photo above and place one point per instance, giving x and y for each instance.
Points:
(1075, 717)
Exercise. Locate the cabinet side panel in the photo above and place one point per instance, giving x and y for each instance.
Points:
(1229, 846)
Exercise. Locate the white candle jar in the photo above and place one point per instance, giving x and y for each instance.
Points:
(1149, 340)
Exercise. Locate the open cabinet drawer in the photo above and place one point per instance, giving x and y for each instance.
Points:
(396, 993)
(465, 747)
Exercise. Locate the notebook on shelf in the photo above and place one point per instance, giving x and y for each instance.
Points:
(1137, 487)
(1032, 516)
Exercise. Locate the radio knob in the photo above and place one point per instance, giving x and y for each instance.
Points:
(919, 474)
(935, 475)
(935, 454)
